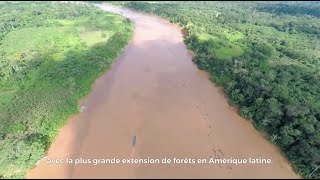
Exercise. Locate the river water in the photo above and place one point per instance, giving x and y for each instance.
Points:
(154, 91)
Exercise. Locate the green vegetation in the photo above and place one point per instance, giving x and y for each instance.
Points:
(50, 55)
(228, 52)
(266, 55)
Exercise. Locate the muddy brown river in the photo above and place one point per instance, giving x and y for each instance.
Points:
(154, 91)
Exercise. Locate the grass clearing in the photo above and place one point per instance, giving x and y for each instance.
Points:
(205, 36)
(224, 52)
(26, 42)
(94, 37)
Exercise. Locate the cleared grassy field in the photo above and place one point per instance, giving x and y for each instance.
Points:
(224, 52)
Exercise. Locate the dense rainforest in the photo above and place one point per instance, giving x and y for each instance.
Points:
(266, 55)
(50, 55)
